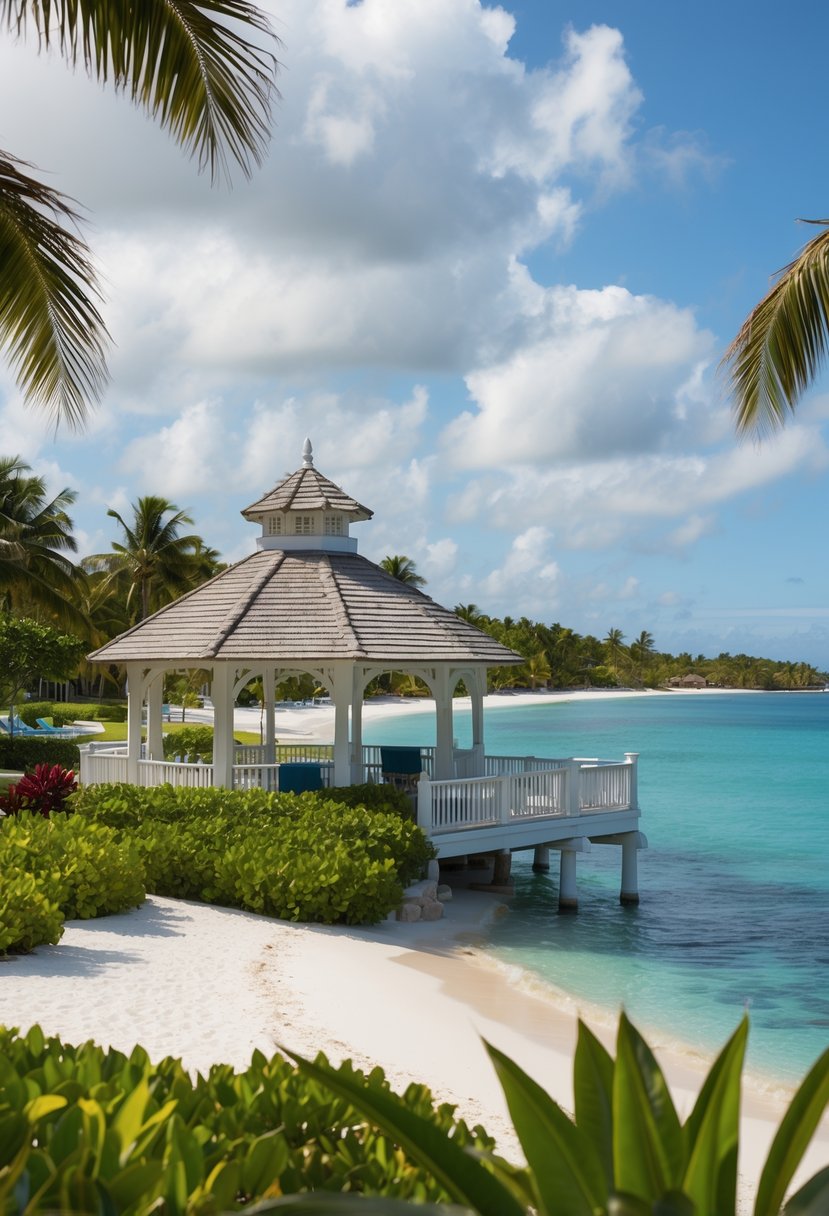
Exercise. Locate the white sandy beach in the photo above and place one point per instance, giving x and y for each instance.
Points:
(210, 984)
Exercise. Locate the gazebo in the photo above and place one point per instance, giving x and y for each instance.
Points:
(305, 602)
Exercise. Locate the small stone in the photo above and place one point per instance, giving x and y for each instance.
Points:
(433, 870)
(431, 911)
(444, 893)
(409, 912)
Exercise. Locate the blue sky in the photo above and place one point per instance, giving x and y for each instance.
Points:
(490, 267)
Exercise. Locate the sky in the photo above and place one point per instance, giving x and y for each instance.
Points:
(490, 266)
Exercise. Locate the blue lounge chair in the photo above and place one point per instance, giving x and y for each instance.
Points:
(401, 767)
(298, 778)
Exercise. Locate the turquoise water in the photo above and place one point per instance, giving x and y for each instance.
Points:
(734, 791)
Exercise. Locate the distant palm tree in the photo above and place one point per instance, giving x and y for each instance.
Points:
(154, 563)
(403, 569)
(35, 536)
(188, 65)
(470, 613)
(784, 340)
(615, 647)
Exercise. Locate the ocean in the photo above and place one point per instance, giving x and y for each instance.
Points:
(734, 912)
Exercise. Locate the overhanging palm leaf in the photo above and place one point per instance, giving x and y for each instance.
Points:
(189, 65)
(183, 61)
(48, 318)
(783, 342)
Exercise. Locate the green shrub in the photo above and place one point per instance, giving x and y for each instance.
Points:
(29, 916)
(21, 753)
(295, 856)
(87, 711)
(77, 867)
(30, 711)
(190, 741)
(385, 798)
(86, 1130)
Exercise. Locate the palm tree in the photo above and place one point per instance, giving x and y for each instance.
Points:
(615, 647)
(470, 613)
(155, 563)
(192, 68)
(35, 536)
(783, 341)
(403, 569)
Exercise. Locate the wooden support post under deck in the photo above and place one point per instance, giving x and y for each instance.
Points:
(568, 899)
(541, 859)
(629, 893)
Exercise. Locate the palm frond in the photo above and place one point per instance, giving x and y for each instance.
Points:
(48, 320)
(783, 342)
(192, 64)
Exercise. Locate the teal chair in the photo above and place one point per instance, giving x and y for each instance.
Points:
(299, 778)
(401, 767)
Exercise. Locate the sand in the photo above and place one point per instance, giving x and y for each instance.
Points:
(211, 985)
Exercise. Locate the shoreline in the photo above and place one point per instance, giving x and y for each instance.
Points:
(211, 985)
(315, 723)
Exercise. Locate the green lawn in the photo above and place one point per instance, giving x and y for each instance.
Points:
(116, 732)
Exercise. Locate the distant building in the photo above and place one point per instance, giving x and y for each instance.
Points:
(689, 681)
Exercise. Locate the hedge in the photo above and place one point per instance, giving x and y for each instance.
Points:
(62, 712)
(59, 868)
(88, 1130)
(294, 856)
(20, 753)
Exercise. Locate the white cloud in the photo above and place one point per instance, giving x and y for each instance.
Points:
(181, 459)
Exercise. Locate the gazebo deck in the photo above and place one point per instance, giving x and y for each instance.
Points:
(515, 802)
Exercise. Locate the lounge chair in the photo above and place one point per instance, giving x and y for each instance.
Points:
(298, 778)
(401, 767)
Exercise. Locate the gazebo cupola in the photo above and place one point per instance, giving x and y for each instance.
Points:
(307, 511)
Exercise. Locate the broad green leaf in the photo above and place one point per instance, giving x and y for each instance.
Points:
(566, 1173)
(593, 1092)
(320, 1204)
(138, 1181)
(267, 1157)
(812, 1199)
(129, 1117)
(792, 1139)
(713, 1132)
(44, 1105)
(462, 1177)
(647, 1137)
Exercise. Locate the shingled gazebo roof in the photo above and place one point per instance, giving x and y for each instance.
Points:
(305, 605)
(305, 598)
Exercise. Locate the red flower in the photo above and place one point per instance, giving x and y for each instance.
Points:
(45, 790)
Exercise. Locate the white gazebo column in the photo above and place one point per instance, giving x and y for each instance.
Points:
(358, 687)
(269, 694)
(342, 692)
(444, 734)
(477, 689)
(155, 733)
(135, 702)
(222, 695)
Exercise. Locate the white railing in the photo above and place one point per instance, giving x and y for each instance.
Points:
(568, 788)
(172, 772)
(98, 767)
(540, 794)
(256, 777)
(605, 787)
(459, 804)
(502, 766)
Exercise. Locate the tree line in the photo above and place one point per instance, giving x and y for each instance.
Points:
(155, 557)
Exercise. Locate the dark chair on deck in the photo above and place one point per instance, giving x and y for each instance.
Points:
(401, 767)
(299, 777)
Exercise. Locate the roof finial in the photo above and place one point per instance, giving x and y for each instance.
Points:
(307, 455)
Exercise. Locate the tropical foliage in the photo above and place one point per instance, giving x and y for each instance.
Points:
(35, 538)
(202, 70)
(561, 658)
(92, 1130)
(154, 562)
(625, 1153)
(403, 569)
(179, 1144)
(28, 651)
(782, 344)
